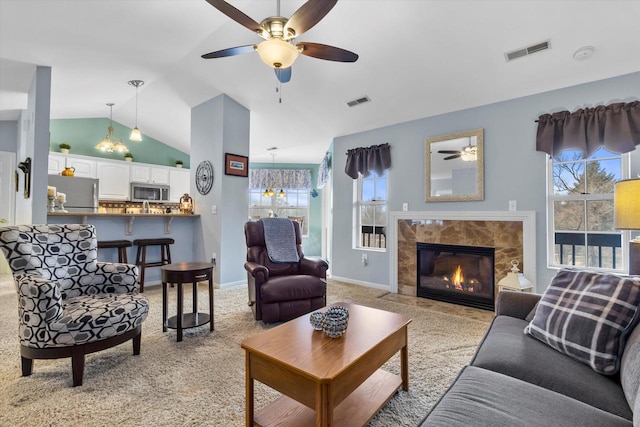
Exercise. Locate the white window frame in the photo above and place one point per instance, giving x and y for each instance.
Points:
(551, 198)
(357, 204)
(304, 211)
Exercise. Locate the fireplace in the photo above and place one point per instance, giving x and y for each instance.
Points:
(457, 274)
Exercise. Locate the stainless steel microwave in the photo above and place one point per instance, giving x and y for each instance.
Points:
(141, 191)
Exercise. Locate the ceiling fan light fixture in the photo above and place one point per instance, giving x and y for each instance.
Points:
(469, 153)
(277, 53)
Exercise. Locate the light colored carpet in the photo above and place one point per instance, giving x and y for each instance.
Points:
(200, 381)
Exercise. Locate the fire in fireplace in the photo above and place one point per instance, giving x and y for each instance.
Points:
(457, 274)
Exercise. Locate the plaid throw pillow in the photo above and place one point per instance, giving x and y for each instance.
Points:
(588, 317)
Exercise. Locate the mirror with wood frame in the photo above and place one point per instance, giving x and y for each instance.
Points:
(454, 167)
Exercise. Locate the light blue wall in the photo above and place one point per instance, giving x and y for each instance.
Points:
(220, 126)
(514, 170)
(311, 245)
(9, 135)
(84, 134)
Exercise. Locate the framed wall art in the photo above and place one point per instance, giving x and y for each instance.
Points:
(236, 165)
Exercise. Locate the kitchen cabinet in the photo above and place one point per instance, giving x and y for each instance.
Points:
(179, 183)
(152, 175)
(85, 168)
(114, 180)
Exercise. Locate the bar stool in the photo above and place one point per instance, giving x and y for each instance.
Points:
(121, 245)
(186, 272)
(141, 255)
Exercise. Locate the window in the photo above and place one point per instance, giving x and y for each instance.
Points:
(371, 211)
(580, 210)
(294, 204)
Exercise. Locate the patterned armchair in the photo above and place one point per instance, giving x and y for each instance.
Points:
(69, 303)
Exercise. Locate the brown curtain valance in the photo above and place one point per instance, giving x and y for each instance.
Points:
(615, 127)
(376, 158)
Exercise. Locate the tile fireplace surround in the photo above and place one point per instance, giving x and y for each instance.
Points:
(512, 233)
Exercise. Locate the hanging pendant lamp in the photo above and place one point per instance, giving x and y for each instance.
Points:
(135, 132)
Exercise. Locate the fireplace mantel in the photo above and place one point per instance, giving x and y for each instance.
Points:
(527, 218)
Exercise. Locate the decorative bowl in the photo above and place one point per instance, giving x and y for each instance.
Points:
(316, 320)
(335, 321)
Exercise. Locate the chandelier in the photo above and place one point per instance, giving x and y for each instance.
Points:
(107, 144)
(270, 192)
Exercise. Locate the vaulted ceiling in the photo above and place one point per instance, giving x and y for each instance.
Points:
(417, 59)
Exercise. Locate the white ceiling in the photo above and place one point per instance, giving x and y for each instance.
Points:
(417, 59)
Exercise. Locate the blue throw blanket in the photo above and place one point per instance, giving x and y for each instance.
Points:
(280, 238)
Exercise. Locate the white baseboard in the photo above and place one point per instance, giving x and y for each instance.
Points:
(362, 283)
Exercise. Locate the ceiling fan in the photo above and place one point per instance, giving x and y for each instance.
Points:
(468, 153)
(278, 49)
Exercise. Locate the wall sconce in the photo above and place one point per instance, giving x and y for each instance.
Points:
(187, 204)
(26, 168)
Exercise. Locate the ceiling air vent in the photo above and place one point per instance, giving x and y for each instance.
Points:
(358, 101)
(538, 47)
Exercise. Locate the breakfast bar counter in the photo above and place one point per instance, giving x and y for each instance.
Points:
(184, 229)
(129, 218)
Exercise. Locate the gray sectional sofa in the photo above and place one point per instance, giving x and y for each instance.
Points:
(515, 379)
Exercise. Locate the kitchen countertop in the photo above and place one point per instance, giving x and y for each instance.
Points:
(128, 218)
(120, 214)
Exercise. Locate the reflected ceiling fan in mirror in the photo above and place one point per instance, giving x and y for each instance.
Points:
(468, 153)
(278, 49)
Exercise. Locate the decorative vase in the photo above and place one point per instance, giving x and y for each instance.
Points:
(316, 320)
(178, 165)
(64, 150)
(335, 321)
(128, 159)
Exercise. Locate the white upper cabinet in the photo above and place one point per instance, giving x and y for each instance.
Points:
(179, 182)
(114, 180)
(152, 175)
(83, 167)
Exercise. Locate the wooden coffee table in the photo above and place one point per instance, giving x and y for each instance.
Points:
(327, 381)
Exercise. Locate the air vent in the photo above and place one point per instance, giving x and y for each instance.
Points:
(538, 47)
(358, 101)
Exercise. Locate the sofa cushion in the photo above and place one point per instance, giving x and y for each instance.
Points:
(507, 350)
(630, 367)
(588, 316)
(480, 397)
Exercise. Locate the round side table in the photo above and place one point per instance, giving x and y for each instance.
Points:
(186, 272)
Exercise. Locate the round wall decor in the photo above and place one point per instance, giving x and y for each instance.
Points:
(204, 177)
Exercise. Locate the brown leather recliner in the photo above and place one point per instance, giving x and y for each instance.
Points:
(282, 291)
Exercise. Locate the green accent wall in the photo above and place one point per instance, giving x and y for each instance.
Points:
(311, 245)
(84, 134)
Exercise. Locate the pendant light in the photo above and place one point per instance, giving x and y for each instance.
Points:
(270, 192)
(135, 132)
(107, 145)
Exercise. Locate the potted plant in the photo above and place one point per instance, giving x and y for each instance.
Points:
(128, 157)
(64, 148)
(178, 163)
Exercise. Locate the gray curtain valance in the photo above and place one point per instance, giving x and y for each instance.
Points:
(376, 158)
(280, 178)
(615, 127)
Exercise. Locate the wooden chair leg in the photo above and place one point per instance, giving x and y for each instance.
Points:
(77, 366)
(136, 344)
(27, 366)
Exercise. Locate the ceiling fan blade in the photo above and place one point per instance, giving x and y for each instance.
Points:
(229, 52)
(235, 14)
(455, 156)
(449, 151)
(308, 15)
(330, 53)
(283, 74)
